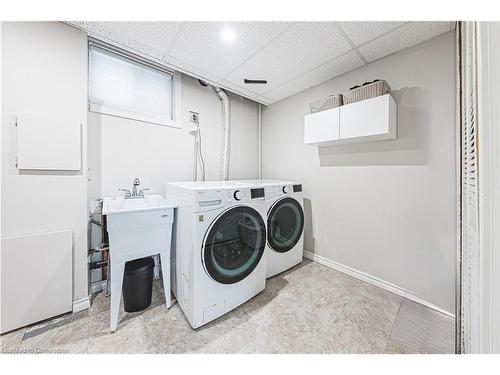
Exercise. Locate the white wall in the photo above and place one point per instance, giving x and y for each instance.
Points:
(121, 149)
(386, 209)
(44, 70)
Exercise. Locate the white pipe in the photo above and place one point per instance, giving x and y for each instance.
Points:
(226, 133)
(260, 141)
(202, 162)
(195, 158)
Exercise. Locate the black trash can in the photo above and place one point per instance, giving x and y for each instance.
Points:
(138, 284)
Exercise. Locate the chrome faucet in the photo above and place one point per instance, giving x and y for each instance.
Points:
(134, 189)
(134, 194)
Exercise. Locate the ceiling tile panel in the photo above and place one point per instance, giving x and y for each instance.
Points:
(332, 69)
(361, 32)
(301, 48)
(157, 35)
(291, 56)
(203, 45)
(149, 38)
(404, 37)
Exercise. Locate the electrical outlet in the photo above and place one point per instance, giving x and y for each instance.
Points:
(194, 116)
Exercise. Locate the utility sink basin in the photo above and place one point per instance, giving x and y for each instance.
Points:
(137, 228)
(123, 205)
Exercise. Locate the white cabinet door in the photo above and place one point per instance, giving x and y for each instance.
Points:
(372, 119)
(322, 126)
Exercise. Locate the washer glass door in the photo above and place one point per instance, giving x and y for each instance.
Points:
(234, 244)
(285, 223)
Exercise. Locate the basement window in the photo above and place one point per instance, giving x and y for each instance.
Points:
(126, 86)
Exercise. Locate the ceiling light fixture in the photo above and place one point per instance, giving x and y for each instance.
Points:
(228, 34)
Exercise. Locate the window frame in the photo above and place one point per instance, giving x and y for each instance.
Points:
(104, 109)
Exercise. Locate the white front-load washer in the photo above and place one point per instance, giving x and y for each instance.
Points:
(285, 224)
(219, 239)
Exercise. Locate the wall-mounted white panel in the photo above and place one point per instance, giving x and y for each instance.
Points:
(369, 120)
(48, 143)
(36, 277)
(322, 126)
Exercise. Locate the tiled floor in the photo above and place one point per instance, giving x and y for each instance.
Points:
(309, 309)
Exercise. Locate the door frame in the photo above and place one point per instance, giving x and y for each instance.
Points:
(489, 186)
(482, 334)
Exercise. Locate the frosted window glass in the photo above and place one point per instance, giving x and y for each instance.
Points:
(124, 84)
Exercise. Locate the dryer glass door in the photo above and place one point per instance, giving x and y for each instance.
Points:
(285, 223)
(234, 244)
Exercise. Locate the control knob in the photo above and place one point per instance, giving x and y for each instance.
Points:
(285, 189)
(238, 195)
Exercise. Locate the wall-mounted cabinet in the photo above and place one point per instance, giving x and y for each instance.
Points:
(369, 120)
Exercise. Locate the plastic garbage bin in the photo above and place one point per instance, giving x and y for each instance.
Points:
(138, 284)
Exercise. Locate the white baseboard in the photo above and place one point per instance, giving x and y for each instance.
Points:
(375, 281)
(81, 304)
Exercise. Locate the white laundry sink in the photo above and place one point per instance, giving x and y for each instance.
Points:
(137, 228)
(123, 205)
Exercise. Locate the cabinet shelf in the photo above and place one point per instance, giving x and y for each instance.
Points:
(369, 120)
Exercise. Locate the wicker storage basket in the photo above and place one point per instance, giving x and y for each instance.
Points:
(326, 103)
(366, 91)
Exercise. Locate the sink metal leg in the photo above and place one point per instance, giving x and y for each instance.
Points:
(117, 271)
(157, 266)
(165, 270)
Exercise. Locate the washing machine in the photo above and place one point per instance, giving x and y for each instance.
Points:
(218, 247)
(285, 223)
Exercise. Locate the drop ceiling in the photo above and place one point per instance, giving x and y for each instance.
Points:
(291, 56)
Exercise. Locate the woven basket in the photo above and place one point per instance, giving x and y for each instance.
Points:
(366, 91)
(326, 103)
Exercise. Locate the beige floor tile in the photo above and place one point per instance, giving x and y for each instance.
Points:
(10, 341)
(167, 328)
(131, 335)
(363, 321)
(98, 303)
(66, 334)
(420, 330)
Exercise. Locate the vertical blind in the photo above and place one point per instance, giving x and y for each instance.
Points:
(122, 86)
